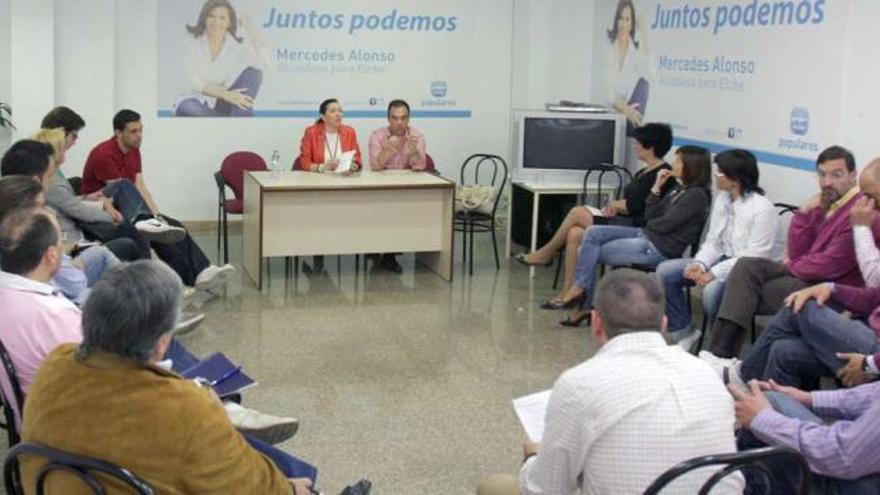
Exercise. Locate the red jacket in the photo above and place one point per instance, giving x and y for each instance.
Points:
(311, 148)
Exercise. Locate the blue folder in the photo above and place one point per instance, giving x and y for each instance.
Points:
(215, 367)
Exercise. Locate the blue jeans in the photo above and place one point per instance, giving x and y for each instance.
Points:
(786, 479)
(797, 349)
(613, 245)
(128, 200)
(250, 80)
(671, 275)
(288, 464)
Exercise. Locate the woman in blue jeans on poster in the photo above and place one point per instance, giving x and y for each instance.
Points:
(674, 222)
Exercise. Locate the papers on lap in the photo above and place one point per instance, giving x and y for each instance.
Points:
(218, 368)
(530, 409)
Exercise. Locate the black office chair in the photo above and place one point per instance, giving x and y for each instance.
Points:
(784, 209)
(82, 467)
(12, 406)
(478, 169)
(623, 177)
(738, 461)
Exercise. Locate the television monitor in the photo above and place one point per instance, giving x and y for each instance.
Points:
(569, 141)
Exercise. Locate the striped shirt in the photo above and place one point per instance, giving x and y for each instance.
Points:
(622, 418)
(845, 449)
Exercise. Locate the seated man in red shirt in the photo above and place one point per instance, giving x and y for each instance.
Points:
(115, 164)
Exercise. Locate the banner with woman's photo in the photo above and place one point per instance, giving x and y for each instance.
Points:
(280, 58)
(758, 74)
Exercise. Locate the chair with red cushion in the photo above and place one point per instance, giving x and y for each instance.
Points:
(429, 164)
(232, 174)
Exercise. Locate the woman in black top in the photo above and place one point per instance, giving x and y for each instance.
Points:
(652, 143)
(673, 222)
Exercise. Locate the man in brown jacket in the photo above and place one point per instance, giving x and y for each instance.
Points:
(107, 399)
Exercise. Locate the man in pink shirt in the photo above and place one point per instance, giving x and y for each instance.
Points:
(36, 317)
(397, 146)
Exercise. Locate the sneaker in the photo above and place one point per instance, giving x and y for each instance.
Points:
(727, 369)
(265, 427)
(188, 322)
(155, 230)
(214, 277)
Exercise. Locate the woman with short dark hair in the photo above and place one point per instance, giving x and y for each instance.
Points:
(674, 222)
(652, 143)
(743, 223)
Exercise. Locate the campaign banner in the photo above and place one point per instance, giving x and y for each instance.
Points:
(764, 75)
(281, 58)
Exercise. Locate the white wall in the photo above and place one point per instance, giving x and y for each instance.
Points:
(106, 60)
(5, 64)
(527, 52)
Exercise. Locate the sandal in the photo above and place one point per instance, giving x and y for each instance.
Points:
(521, 257)
(568, 321)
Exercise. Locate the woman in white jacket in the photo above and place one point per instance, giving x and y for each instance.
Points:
(743, 223)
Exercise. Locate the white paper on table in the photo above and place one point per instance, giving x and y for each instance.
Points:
(531, 410)
(94, 204)
(595, 211)
(345, 161)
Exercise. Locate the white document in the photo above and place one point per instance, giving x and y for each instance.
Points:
(94, 204)
(595, 211)
(345, 161)
(531, 410)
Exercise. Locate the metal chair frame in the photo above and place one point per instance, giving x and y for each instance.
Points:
(80, 466)
(468, 222)
(738, 461)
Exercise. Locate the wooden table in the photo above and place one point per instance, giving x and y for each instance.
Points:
(306, 213)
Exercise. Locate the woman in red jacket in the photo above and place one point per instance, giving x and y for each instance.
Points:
(324, 142)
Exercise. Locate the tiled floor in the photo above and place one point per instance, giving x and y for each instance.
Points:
(403, 379)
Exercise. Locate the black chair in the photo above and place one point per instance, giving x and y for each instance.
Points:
(12, 406)
(478, 169)
(784, 209)
(623, 177)
(84, 468)
(739, 461)
(76, 184)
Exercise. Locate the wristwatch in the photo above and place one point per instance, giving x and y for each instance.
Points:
(866, 368)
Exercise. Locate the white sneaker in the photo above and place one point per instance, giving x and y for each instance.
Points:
(214, 277)
(266, 427)
(727, 369)
(188, 322)
(156, 230)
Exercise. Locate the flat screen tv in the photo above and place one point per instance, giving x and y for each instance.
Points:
(564, 141)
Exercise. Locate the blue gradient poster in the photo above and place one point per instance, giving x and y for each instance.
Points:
(262, 58)
(758, 74)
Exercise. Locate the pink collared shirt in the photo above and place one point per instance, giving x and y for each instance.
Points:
(401, 159)
(36, 320)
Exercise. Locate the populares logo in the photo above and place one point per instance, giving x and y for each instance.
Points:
(799, 121)
(438, 89)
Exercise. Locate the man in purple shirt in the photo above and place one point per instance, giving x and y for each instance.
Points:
(820, 248)
(809, 340)
(842, 454)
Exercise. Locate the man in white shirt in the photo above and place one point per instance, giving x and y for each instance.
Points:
(637, 408)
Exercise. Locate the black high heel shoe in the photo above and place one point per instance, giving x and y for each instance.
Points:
(521, 257)
(559, 304)
(576, 322)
